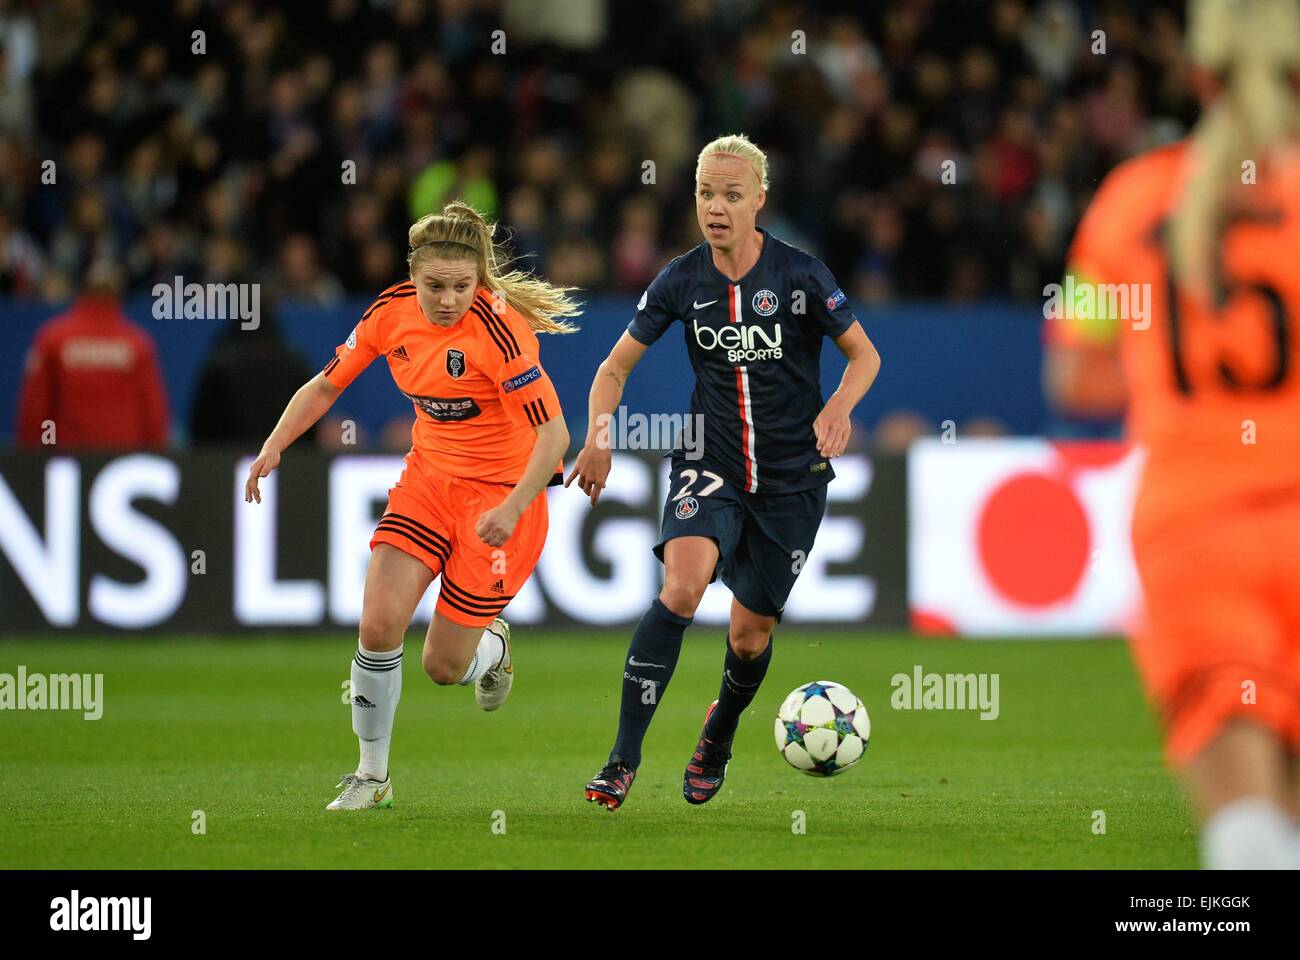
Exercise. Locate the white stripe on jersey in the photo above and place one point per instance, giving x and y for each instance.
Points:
(748, 416)
(746, 411)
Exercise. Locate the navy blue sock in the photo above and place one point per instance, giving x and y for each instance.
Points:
(740, 681)
(651, 658)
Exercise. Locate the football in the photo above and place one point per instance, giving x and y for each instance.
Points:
(822, 728)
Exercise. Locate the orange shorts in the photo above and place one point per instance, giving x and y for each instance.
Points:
(1221, 640)
(432, 516)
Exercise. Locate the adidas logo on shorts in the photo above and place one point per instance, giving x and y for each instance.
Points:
(498, 587)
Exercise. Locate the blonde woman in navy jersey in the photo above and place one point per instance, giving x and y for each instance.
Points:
(754, 311)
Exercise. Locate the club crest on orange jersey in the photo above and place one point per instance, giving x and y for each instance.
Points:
(455, 363)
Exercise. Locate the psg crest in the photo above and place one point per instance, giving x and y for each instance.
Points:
(687, 507)
(764, 303)
(455, 363)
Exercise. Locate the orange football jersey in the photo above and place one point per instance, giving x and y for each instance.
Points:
(478, 387)
(1214, 386)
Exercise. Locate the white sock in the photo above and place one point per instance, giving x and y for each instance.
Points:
(491, 649)
(376, 688)
(1249, 834)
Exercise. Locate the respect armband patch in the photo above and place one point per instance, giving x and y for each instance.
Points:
(835, 299)
(523, 380)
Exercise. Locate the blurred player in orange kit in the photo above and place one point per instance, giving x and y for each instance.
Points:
(1206, 232)
(460, 340)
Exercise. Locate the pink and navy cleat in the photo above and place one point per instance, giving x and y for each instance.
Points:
(610, 787)
(707, 767)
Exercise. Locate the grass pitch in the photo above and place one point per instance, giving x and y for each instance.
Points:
(254, 733)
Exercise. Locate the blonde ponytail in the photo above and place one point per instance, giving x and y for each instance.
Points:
(459, 232)
(1252, 44)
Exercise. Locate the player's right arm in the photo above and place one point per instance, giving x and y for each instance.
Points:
(316, 396)
(655, 313)
(593, 463)
(308, 405)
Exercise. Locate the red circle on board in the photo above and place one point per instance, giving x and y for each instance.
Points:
(1033, 539)
(1091, 453)
(931, 624)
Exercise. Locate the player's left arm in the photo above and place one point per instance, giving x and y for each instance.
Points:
(1082, 372)
(528, 397)
(496, 525)
(833, 425)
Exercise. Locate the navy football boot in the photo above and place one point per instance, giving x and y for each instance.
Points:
(610, 787)
(707, 767)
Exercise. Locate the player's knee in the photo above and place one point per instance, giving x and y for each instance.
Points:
(749, 642)
(681, 597)
(380, 632)
(441, 672)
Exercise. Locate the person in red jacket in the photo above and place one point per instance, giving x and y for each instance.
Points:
(92, 380)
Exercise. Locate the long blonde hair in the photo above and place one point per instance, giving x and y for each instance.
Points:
(1251, 44)
(460, 232)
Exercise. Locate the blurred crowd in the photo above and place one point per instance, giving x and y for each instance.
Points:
(922, 148)
(293, 143)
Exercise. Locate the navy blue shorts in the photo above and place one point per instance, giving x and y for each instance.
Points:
(763, 539)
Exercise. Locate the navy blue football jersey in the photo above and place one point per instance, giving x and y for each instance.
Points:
(755, 346)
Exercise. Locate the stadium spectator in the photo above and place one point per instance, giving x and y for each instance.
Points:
(163, 253)
(86, 237)
(18, 37)
(526, 216)
(337, 434)
(21, 262)
(15, 101)
(636, 253)
(301, 277)
(470, 178)
(247, 380)
(92, 380)
(896, 431)
(379, 262)
(395, 437)
(982, 427)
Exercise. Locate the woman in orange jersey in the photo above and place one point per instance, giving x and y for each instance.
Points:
(1206, 234)
(460, 340)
